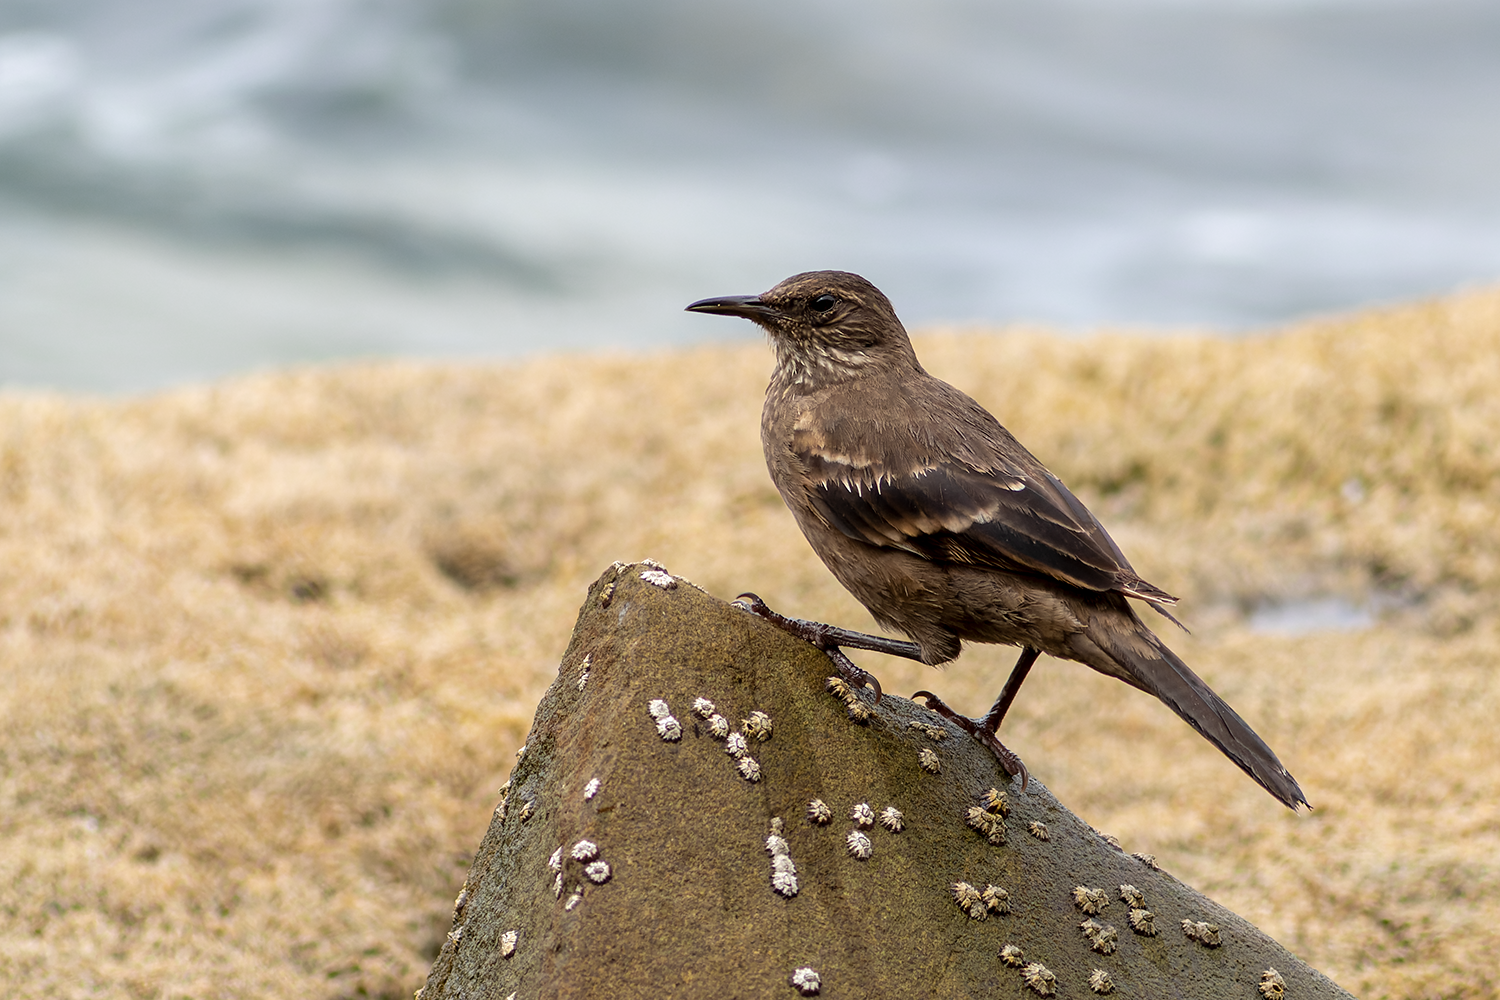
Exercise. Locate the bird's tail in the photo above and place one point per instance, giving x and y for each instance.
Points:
(1154, 668)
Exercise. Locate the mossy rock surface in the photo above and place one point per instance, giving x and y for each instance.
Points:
(688, 908)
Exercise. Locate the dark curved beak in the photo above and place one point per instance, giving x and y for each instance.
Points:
(748, 306)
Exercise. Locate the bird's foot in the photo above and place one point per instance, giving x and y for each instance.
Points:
(829, 638)
(977, 729)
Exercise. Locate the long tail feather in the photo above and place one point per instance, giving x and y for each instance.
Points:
(1154, 668)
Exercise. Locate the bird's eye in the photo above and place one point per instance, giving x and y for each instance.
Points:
(822, 303)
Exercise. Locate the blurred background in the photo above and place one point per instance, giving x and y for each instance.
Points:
(194, 189)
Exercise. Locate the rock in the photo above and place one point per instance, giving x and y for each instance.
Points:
(642, 850)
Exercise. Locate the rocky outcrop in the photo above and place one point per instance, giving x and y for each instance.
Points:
(697, 814)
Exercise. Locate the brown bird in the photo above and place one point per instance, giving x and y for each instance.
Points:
(943, 525)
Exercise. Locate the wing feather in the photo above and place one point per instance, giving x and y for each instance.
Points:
(1013, 518)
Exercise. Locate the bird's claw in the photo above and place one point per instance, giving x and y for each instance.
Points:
(1007, 757)
(816, 634)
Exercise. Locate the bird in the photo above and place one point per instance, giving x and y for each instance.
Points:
(944, 526)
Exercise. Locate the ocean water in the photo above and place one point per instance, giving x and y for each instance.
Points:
(190, 189)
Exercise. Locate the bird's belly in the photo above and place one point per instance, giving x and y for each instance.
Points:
(938, 604)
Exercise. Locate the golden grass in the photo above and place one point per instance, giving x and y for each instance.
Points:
(267, 647)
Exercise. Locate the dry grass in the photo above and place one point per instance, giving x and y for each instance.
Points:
(267, 647)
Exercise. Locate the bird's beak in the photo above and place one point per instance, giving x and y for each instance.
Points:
(748, 306)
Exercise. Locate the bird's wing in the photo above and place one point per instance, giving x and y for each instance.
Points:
(1008, 513)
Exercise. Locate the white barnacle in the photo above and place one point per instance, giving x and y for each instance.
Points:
(669, 729)
(585, 850)
(991, 824)
(1149, 860)
(1088, 900)
(521, 752)
(573, 901)
(557, 886)
(818, 812)
(1039, 978)
(703, 708)
(591, 789)
(597, 872)
(996, 898)
(928, 760)
(555, 862)
(1271, 985)
(583, 676)
(783, 871)
(748, 768)
(1133, 897)
(659, 578)
(1111, 840)
(1103, 938)
(718, 727)
(859, 845)
(735, 745)
(863, 815)
(652, 564)
(807, 982)
(508, 944)
(1013, 956)
(966, 896)
(583, 679)
(1038, 829)
(891, 819)
(527, 808)
(1143, 922)
(757, 727)
(1100, 982)
(1202, 931)
(996, 802)
(658, 708)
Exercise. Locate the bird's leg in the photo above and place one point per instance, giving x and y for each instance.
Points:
(829, 638)
(984, 730)
(993, 717)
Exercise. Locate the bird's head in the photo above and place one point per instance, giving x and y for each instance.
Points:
(826, 326)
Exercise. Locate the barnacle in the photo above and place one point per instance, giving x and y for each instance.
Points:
(1143, 922)
(806, 982)
(1040, 979)
(758, 726)
(859, 845)
(1088, 900)
(1271, 985)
